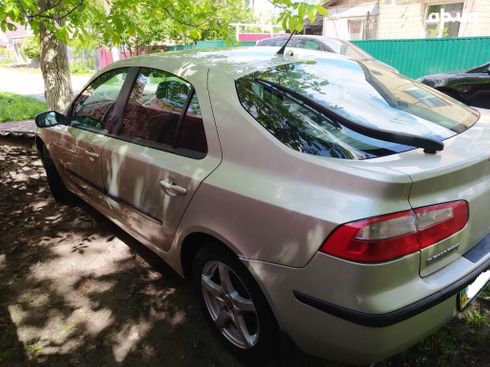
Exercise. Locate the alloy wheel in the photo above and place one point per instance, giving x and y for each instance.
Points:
(229, 304)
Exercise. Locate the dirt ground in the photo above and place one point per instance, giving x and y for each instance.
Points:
(76, 290)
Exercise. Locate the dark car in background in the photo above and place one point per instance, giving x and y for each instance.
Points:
(471, 87)
(327, 44)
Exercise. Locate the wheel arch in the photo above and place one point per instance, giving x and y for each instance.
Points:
(39, 145)
(193, 242)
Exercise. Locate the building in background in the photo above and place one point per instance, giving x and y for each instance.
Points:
(11, 42)
(395, 19)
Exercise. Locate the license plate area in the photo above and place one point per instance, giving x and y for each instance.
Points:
(469, 293)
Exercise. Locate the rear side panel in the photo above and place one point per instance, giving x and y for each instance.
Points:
(272, 203)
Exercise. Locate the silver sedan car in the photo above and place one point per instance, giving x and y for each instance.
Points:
(331, 200)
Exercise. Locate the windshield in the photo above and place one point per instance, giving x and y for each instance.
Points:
(367, 94)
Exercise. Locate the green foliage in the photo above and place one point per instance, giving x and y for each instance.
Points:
(15, 108)
(293, 13)
(133, 23)
(31, 47)
(475, 318)
(78, 67)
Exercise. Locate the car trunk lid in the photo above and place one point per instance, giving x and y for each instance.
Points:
(460, 172)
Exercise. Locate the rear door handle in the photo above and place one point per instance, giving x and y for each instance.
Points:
(92, 154)
(171, 188)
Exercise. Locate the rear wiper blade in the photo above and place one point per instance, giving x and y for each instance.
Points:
(429, 145)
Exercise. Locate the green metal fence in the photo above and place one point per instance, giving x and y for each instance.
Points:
(417, 57)
(412, 57)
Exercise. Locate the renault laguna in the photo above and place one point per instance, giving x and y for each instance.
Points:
(333, 201)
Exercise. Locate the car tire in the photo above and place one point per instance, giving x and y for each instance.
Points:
(56, 186)
(234, 305)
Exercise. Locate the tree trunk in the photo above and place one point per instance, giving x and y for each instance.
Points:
(56, 73)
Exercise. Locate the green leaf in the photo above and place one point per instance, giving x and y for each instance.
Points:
(311, 11)
(11, 27)
(321, 10)
(195, 34)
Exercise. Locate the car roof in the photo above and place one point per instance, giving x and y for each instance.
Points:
(305, 36)
(235, 62)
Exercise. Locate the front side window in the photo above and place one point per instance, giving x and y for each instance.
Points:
(368, 95)
(163, 110)
(92, 107)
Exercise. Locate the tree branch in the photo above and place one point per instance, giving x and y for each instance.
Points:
(181, 21)
(42, 11)
(54, 17)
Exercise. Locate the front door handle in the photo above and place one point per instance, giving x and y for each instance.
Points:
(172, 189)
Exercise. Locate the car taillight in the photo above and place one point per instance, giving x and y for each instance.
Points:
(390, 236)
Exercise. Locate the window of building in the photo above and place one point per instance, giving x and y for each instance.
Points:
(443, 20)
(355, 29)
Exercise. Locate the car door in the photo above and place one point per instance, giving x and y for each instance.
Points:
(160, 156)
(80, 142)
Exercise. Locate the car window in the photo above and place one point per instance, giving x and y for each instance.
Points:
(347, 49)
(308, 44)
(90, 110)
(154, 112)
(480, 69)
(368, 95)
(154, 107)
(273, 42)
(191, 136)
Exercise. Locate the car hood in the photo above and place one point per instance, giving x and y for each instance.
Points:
(436, 80)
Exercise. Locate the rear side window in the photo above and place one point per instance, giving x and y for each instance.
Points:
(273, 42)
(191, 135)
(92, 107)
(163, 110)
(308, 44)
(368, 95)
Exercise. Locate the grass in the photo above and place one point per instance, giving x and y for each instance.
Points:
(33, 349)
(4, 354)
(14, 107)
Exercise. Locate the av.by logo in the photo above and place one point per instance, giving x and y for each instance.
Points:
(448, 18)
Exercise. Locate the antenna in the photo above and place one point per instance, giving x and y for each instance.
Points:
(281, 50)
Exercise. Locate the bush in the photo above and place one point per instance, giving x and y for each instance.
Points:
(15, 108)
(78, 67)
(31, 48)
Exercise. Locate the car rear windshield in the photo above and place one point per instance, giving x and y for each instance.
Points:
(366, 94)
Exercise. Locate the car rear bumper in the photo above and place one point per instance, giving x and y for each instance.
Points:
(320, 313)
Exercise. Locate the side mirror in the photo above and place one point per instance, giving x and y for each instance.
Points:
(50, 118)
